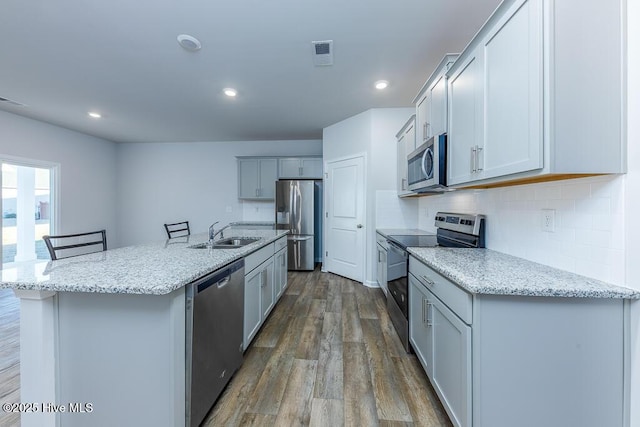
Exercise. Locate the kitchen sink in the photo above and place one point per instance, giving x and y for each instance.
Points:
(228, 243)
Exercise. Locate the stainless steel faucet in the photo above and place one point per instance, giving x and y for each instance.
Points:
(213, 233)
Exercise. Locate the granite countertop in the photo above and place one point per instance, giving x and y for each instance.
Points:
(483, 271)
(155, 268)
(386, 232)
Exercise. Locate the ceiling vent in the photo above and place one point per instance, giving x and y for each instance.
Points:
(322, 53)
(4, 101)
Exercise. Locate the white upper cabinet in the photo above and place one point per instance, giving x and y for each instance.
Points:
(431, 105)
(303, 167)
(522, 96)
(465, 119)
(406, 141)
(257, 178)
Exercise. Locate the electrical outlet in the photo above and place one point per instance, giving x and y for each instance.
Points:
(549, 220)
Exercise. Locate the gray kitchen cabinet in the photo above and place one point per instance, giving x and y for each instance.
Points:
(302, 167)
(431, 105)
(259, 297)
(505, 360)
(256, 178)
(519, 108)
(406, 139)
(442, 342)
(267, 290)
(280, 271)
(265, 281)
(496, 100)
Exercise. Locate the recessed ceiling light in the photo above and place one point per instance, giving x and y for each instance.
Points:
(381, 84)
(230, 92)
(94, 114)
(188, 42)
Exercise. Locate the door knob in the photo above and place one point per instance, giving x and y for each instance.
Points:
(359, 225)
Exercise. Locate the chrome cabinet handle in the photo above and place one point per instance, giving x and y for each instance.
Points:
(429, 322)
(300, 171)
(473, 158)
(404, 184)
(428, 127)
(427, 280)
(257, 192)
(423, 317)
(478, 149)
(424, 132)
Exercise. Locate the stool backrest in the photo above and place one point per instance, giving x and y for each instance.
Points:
(69, 245)
(177, 229)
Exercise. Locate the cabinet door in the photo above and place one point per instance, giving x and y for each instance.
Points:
(439, 106)
(451, 365)
(267, 291)
(465, 120)
(280, 272)
(423, 116)
(248, 178)
(268, 178)
(419, 333)
(252, 312)
(382, 268)
(513, 93)
(311, 168)
(289, 168)
(407, 139)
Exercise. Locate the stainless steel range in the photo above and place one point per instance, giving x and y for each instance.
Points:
(454, 230)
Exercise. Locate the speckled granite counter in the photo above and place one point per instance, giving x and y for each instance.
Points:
(483, 271)
(154, 268)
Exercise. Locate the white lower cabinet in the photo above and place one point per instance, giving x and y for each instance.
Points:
(280, 271)
(264, 283)
(505, 360)
(442, 343)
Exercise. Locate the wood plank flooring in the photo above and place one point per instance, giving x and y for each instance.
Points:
(9, 354)
(326, 356)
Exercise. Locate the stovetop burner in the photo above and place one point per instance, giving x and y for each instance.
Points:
(422, 241)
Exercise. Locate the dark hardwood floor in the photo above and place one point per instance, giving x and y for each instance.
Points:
(326, 356)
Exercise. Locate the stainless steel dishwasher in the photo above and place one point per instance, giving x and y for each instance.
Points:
(214, 316)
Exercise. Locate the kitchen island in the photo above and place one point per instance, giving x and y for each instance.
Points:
(103, 335)
(506, 341)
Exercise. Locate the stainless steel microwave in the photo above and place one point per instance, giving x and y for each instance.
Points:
(427, 166)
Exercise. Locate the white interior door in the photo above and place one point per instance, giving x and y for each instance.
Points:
(345, 234)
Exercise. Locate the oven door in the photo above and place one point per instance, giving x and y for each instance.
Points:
(397, 296)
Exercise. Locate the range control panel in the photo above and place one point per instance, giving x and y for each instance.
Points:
(465, 223)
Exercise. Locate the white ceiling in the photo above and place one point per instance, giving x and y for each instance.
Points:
(121, 58)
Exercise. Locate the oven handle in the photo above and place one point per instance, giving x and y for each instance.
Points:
(397, 249)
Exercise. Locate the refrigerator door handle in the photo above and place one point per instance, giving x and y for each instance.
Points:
(299, 239)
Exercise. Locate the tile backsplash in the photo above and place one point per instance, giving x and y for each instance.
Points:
(588, 236)
(258, 210)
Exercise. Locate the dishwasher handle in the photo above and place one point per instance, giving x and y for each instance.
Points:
(219, 278)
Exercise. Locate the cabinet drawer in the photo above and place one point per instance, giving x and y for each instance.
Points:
(454, 297)
(256, 258)
(280, 243)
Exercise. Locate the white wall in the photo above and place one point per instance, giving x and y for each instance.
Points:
(632, 199)
(170, 182)
(87, 165)
(372, 133)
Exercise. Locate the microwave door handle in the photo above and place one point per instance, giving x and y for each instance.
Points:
(424, 161)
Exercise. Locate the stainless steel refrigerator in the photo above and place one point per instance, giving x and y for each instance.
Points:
(295, 207)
